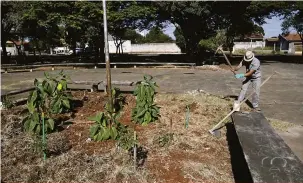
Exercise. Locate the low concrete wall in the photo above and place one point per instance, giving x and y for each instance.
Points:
(248, 45)
(162, 48)
(126, 46)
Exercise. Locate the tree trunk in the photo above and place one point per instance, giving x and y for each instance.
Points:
(97, 50)
(3, 45)
(74, 45)
(121, 45)
(116, 45)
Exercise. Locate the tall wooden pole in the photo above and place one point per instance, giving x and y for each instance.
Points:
(108, 74)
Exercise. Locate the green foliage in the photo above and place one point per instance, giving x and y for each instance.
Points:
(164, 140)
(145, 111)
(132, 35)
(106, 124)
(103, 129)
(126, 140)
(37, 145)
(180, 40)
(293, 20)
(156, 35)
(48, 98)
(7, 102)
(118, 102)
(212, 43)
(192, 18)
(47, 23)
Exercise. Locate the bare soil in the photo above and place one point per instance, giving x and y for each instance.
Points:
(191, 155)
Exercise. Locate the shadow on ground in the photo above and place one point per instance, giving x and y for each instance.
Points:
(239, 165)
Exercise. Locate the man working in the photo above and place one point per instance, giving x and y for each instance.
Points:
(252, 75)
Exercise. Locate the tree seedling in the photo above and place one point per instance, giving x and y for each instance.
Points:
(145, 111)
(48, 98)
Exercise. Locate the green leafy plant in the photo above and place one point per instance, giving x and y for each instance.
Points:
(118, 102)
(126, 140)
(7, 102)
(102, 129)
(48, 98)
(164, 140)
(106, 124)
(145, 110)
(55, 87)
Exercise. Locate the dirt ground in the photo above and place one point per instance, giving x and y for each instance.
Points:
(188, 154)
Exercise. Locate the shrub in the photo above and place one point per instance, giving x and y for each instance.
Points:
(145, 110)
(126, 140)
(106, 124)
(48, 98)
(103, 129)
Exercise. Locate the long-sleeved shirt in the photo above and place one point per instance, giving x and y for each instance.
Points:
(253, 65)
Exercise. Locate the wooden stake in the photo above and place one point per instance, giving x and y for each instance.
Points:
(108, 73)
(135, 151)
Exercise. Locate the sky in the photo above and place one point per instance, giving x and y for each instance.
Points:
(271, 28)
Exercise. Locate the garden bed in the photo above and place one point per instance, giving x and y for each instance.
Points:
(167, 152)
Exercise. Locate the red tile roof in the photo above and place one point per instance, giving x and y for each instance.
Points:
(18, 42)
(255, 36)
(251, 36)
(292, 37)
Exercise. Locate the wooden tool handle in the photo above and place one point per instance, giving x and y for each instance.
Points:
(215, 127)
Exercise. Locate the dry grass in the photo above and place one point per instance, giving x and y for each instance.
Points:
(190, 154)
(194, 143)
(280, 125)
(193, 170)
(21, 163)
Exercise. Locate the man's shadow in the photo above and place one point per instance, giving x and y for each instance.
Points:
(236, 97)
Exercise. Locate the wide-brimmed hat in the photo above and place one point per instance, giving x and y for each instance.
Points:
(249, 56)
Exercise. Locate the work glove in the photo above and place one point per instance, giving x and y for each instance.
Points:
(238, 76)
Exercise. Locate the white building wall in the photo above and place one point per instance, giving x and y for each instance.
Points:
(158, 48)
(126, 46)
(248, 45)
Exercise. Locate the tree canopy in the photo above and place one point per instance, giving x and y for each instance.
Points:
(197, 23)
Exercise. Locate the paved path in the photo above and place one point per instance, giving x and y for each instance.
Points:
(281, 96)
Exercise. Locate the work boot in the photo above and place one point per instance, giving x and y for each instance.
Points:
(257, 109)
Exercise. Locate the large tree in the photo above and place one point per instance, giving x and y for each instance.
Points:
(180, 40)
(198, 21)
(293, 19)
(11, 17)
(126, 15)
(156, 35)
(133, 35)
(40, 23)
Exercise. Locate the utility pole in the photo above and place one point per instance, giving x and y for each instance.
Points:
(108, 74)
